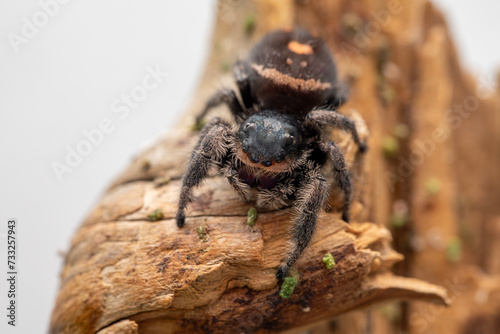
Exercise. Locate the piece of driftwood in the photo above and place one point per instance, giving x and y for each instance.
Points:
(127, 274)
(122, 266)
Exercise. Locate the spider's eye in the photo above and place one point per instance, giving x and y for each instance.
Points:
(253, 159)
(289, 139)
(249, 125)
(267, 163)
(278, 160)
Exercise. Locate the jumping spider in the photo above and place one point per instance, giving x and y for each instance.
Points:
(289, 90)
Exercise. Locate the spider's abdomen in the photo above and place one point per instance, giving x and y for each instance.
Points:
(291, 71)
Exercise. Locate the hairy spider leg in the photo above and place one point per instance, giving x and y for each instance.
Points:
(333, 118)
(311, 196)
(339, 96)
(228, 96)
(212, 148)
(341, 174)
(240, 72)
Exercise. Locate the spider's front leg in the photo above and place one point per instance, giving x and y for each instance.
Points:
(333, 118)
(212, 148)
(311, 197)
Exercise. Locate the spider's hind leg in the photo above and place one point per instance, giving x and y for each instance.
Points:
(228, 96)
(224, 95)
(339, 96)
(240, 72)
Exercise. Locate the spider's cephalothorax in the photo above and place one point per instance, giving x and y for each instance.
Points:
(289, 90)
(270, 138)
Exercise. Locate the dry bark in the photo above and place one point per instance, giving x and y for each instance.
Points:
(125, 274)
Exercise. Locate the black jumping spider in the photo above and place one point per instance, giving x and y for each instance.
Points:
(289, 90)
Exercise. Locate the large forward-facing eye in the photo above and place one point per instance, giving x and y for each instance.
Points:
(248, 126)
(253, 159)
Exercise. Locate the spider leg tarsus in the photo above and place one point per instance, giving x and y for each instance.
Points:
(363, 146)
(282, 272)
(180, 218)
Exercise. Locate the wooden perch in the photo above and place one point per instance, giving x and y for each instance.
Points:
(130, 271)
(122, 266)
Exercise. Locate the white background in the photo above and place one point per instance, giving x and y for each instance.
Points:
(64, 80)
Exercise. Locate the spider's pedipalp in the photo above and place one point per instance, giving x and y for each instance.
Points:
(243, 189)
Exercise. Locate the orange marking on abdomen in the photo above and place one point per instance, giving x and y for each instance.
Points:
(299, 48)
(297, 84)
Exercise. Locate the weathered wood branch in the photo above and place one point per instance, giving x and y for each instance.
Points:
(122, 266)
(126, 274)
